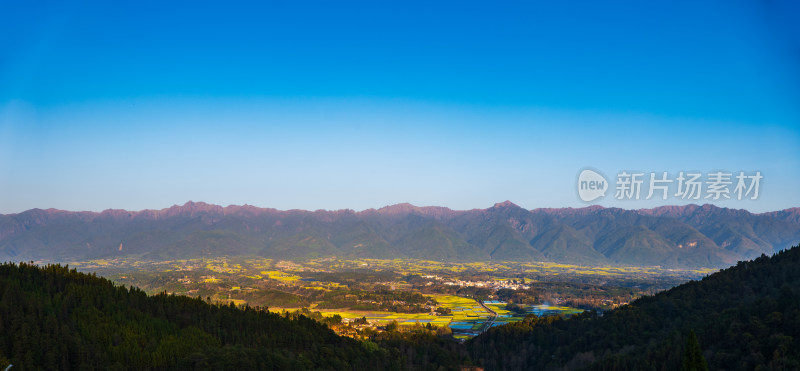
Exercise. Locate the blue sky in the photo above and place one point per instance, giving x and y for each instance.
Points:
(356, 105)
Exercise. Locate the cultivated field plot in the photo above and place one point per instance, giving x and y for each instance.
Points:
(382, 318)
(468, 317)
(280, 276)
(464, 311)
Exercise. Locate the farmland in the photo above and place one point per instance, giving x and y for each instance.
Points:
(355, 296)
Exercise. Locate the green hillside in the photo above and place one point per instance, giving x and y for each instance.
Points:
(56, 318)
(745, 317)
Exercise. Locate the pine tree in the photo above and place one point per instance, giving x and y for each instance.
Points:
(693, 359)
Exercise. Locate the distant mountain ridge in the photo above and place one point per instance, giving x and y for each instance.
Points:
(669, 236)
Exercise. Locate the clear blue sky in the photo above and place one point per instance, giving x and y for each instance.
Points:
(335, 105)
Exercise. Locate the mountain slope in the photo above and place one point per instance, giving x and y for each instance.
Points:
(56, 318)
(563, 243)
(675, 236)
(745, 316)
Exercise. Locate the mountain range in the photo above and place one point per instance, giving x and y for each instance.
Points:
(670, 236)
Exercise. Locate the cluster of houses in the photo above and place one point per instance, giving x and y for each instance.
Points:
(491, 284)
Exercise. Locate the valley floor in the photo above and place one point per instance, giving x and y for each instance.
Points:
(358, 297)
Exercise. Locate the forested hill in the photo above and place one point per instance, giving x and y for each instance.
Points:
(55, 318)
(745, 317)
